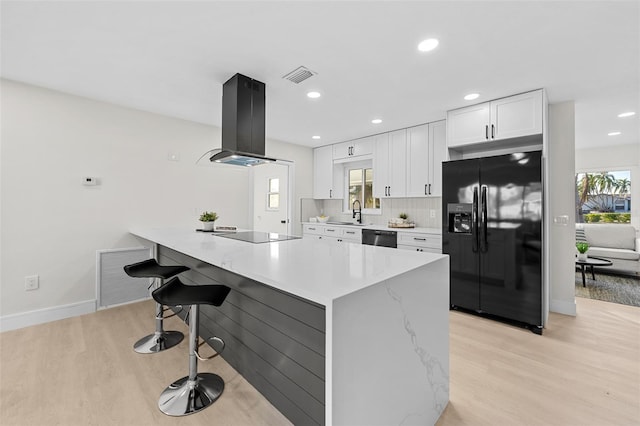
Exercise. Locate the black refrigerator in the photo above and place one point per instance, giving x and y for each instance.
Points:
(492, 232)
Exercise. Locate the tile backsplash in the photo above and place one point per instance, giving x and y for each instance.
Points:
(417, 209)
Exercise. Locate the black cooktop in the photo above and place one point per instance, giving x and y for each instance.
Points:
(257, 237)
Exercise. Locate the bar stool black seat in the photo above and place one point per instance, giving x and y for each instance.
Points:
(160, 339)
(196, 391)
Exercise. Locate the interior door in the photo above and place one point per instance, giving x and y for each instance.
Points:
(270, 198)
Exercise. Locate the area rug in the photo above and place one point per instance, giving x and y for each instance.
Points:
(621, 289)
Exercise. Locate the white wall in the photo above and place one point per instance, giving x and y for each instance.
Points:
(621, 157)
(561, 199)
(52, 225)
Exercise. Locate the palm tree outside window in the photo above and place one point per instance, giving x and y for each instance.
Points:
(603, 197)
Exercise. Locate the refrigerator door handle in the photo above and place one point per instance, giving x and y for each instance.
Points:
(474, 220)
(483, 220)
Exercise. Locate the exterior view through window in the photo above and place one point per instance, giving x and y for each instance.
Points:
(361, 188)
(273, 196)
(603, 197)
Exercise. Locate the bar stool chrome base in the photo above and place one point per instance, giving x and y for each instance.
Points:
(158, 341)
(184, 396)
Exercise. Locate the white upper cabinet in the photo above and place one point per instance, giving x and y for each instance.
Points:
(426, 150)
(390, 164)
(512, 117)
(355, 148)
(327, 178)
(437, 154)
(418, 161)
(468, 125)
(516, 116)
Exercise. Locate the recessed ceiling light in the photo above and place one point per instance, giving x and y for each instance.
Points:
(471, 96)
(613, 133)
(313, 95)
(428, 44)
(376, 121)
(315, 137)
(626, 114)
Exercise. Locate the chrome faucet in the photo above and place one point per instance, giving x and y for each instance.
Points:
(359, 212)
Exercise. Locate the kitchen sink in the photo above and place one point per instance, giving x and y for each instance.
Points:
(346, 223)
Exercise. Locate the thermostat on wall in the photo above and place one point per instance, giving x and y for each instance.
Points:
(90, 181)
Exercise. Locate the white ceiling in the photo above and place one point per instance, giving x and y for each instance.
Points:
(171, 57)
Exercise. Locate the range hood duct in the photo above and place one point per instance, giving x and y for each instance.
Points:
(243, 123)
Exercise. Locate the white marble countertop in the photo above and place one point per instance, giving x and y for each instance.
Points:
(317, 270)
(437, 231)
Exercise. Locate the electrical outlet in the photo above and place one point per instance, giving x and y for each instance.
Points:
(32, 282)
(432, 212)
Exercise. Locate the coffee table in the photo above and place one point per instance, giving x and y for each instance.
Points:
(591, 262)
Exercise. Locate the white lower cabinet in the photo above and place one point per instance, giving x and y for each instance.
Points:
(416, 241)
(351, 235)
(431, 243)
(348, 234)
(310, 229)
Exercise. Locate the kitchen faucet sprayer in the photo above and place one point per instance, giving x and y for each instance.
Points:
(359, 212)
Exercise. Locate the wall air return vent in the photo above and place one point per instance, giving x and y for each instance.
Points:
(299, 75)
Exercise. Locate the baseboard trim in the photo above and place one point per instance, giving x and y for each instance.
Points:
(563, 307)
(40, 316)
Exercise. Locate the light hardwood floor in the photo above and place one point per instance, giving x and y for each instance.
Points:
(82, 371)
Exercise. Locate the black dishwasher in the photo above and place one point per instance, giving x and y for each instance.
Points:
(374, 237)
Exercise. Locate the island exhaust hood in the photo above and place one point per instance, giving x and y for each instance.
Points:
(243, 123)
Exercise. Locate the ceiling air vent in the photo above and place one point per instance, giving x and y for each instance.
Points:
(299, 75)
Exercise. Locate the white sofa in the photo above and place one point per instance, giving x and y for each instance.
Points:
(615, 242)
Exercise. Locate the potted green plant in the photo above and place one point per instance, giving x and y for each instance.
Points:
(208, 219)
(582, 247)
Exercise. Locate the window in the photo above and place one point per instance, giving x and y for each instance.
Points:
(603, 197)
(273, 196)
(360, 187)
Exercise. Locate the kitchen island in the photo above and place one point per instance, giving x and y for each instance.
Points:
(342, 334)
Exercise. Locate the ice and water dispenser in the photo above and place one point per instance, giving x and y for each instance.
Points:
(460, 216)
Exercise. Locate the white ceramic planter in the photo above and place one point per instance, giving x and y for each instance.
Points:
(582, 256)
(208, 226)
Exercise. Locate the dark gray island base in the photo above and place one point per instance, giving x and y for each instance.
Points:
(274, 339)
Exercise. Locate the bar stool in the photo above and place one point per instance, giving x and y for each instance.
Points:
(160, 339)
(196, 391)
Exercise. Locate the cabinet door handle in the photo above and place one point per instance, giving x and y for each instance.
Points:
(486, 131)
(350, 232)
(419, 239)
(493, 131)
(429, 189)
(331, 230)
(330, 193)
(312, 229)
(425, 189)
